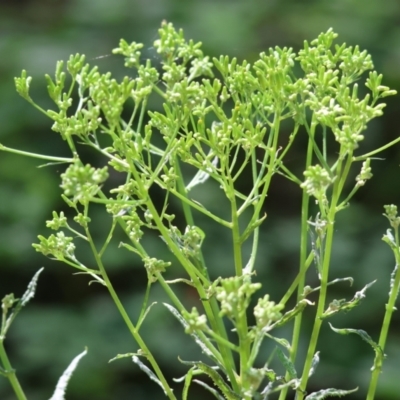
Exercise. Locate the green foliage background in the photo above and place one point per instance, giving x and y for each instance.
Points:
(66, 314)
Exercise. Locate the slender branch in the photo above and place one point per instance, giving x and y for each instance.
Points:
(36, 155)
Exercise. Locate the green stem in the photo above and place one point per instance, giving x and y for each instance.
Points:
(250, 265)
(241, 320)
(323, 291)
(210, 305)
(345, 202)
(175, 300)
(390, 307)
(36, 155)
(271, 153)
(109, 237)
(223, 341)
(302, 263)
(296, 280)
(144, 306)
(187, 210)
(345, 173)
(128, 322)
(236, 239)
(200, 208)
(10, 373)
(181, 308)
(376, 151)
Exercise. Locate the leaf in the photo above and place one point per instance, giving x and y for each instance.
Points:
(364, 335)
(299, 307)
(139, 323)
(347, 279)
(202, 176)
(65, 377)
(210, 389)
(289, 366)
(390, 240)
(119, 356)
(216, 378)
(293, 383)
(393, 280)
(314, 364)
(341, 305)
(323, 394)
(251, 227)
(30, 290)
(23, 301)
(197, 339)
(188, 381)
(148, 372)
(283, 342)
(267, 390)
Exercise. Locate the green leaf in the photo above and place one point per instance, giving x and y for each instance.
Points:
(216, 378)
(283, 342)
(364, 335)
(292, 313)
(188, 381)
(196, 338)
(289, 366)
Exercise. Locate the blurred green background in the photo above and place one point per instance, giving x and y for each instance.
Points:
(66, 314)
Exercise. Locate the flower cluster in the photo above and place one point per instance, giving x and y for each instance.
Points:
(234, 294)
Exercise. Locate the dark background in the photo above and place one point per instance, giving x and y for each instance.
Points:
(66, 314)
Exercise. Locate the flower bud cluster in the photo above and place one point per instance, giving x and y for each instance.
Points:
(267, 312)
(234, 294)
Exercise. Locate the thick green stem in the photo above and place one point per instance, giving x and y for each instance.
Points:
(323, 289)
(10, 373)
(302, 265)
(320, 310)
(241, 322)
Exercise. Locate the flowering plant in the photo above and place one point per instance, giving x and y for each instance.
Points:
(221, 119)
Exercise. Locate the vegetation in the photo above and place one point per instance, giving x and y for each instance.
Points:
(220, 120)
